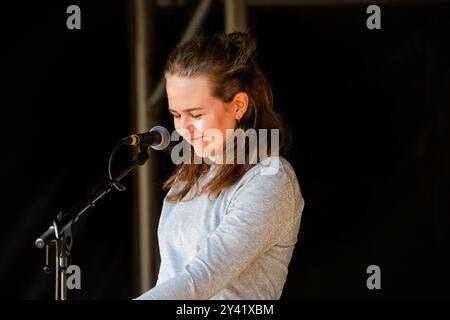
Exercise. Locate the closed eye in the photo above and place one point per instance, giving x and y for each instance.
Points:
(193, 116)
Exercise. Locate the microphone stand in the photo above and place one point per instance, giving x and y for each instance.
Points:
(59, 234)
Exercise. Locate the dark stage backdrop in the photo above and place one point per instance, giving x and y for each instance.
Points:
(369, 111)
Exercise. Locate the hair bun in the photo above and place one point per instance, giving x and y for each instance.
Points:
(243, 45)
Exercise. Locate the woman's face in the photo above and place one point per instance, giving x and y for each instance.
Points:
(199, 117)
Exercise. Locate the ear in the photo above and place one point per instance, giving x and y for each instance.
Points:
(240, 104)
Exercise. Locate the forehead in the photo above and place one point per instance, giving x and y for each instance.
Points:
(187, 89)
(180, 82)
(196, 86)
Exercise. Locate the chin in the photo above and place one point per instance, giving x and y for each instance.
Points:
(199, 152)
(202, 153)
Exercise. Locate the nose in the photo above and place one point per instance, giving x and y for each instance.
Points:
(185, 126)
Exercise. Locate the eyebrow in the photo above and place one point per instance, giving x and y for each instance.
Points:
(187, 110)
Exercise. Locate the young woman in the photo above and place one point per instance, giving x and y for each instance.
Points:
(227, 230)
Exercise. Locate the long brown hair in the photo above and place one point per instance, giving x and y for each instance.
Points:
(229, 62)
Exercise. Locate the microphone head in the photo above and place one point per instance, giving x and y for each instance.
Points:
(165, 138)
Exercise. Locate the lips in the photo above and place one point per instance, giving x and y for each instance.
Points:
(196, 139)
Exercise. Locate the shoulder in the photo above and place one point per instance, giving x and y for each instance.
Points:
(274, 174)
(272, 169)
(269, 189)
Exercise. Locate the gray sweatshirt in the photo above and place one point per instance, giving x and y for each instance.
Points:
(235, 246)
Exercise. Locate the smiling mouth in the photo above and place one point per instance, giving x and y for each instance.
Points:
(196, 139)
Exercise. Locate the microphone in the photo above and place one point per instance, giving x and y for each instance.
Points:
(158, 138)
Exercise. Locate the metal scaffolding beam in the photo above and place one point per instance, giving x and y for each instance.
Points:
(235, 16)
(147, 203)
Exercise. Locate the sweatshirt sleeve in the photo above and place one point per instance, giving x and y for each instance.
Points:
(258, 213)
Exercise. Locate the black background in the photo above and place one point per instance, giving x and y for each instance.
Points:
(369, 110)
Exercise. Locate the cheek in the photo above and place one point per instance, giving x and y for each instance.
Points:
(215, 121)
(224, 122)
(204, 123)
